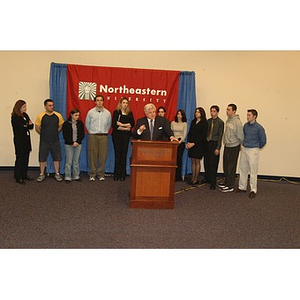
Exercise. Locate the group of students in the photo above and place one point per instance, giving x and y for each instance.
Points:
(48, 125)
(207, 136)
(204, 139)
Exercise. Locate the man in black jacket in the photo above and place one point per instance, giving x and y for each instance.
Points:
(152, 127)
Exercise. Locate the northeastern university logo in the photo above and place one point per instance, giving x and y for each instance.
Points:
(87, 90)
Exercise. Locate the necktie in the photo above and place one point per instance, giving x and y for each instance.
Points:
(151, 129)
(210, 131)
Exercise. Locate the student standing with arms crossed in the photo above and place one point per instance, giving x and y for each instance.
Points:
(21, 125)
(122, 123)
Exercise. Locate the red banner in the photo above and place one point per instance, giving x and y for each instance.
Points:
(140, 86)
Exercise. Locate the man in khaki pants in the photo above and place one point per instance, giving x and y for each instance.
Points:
(254, 139)
(98, 123)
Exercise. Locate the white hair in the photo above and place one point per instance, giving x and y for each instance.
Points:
(148, 107)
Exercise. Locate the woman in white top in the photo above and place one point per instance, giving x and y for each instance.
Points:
(179, 127)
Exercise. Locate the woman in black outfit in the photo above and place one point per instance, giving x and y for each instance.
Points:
(197, 142)
(122, 123)
(21, 125)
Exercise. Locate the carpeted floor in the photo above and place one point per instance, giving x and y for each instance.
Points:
(96, 215)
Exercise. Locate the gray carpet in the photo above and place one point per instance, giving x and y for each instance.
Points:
(96, 215)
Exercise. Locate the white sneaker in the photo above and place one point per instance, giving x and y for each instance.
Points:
(227, 189)
(221, 185)
(101, 178)
(92, 178)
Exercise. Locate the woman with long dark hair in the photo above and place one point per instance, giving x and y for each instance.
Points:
(179, 127)
(122, 123)
(21, 125)
(196, 144)
(73, 133)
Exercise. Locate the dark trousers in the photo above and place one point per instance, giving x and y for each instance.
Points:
(120, 142)
(180, 150)
(211, 162)
(21, 165)
(230, 158)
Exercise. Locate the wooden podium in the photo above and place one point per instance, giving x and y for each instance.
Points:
(152, 176)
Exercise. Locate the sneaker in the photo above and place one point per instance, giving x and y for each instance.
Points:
(92, 178)
(221, 185)
(226, 189)
(58, 177)
(101, 178)
(78, 179)
(40, 178)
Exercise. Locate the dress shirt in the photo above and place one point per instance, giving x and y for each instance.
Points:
(217, 132)
(254, 135)
(98, 121)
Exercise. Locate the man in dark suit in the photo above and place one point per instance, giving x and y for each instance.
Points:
(152, 127)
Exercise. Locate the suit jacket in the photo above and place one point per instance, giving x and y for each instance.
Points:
(21, 129)
(161, 128)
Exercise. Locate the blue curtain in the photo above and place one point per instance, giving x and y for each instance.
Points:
(58, 93)
(187, 102)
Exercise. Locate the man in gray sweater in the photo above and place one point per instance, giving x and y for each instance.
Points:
(233, 138)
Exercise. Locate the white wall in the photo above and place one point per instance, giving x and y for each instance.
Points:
(265, 80)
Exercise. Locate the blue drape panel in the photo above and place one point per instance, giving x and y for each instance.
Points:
(58, 92)
(187, 102)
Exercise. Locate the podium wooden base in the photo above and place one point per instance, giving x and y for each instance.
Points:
(152, 176)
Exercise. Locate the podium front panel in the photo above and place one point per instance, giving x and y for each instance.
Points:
(153, 168)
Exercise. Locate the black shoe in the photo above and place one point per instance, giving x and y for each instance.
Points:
(204, 181)
(116, 178)
(191, 182)
(195, 183)
(122, 178)
(212, 186)
(28, 178)
(240, 191)
(252, 195)
(68, 181)
(20, 181)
